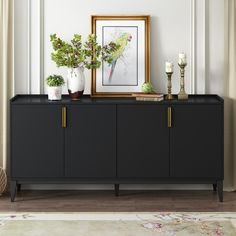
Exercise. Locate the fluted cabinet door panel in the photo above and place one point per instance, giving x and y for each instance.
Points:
(142, 141)
(197, 141)
(90, 141)
(36, 141)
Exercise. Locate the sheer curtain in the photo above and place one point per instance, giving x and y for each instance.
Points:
(230, 94)
(6, 75)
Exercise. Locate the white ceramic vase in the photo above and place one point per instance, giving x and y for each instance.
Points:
(54, 93)
(76, 82)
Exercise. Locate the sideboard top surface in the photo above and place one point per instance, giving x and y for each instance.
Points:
(86, 99)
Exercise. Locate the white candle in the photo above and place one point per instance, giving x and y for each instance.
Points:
(169, 67)
(182, 58)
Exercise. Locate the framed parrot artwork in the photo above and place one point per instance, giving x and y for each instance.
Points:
(129, 66)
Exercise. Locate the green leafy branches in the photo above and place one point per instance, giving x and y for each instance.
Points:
(55, 80)
(78, 54)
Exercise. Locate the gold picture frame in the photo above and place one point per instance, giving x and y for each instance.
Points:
(139, 73)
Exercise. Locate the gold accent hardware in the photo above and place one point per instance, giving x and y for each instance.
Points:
(169, 117)
(63, 117)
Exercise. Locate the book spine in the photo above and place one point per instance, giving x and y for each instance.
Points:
(149, 99)
(148, 96)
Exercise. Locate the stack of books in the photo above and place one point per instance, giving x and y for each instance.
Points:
(156, 97)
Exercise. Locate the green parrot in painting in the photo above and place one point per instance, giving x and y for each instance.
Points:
(122, 41)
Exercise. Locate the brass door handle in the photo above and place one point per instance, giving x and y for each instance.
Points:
(63, 117)
(169, 117)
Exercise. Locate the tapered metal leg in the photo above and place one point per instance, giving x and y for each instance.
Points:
(18, 187)
(117, 186)
(214, 187)
(13, 190)
(220, 190)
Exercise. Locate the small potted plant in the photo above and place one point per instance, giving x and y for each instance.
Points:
(55, 83)
(77, 55)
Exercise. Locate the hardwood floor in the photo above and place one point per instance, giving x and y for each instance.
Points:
(128, 201)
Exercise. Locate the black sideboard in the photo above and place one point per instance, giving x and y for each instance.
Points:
(117, 141)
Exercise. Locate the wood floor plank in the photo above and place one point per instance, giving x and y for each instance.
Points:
(128, 201)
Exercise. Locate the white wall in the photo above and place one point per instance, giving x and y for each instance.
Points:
(192, 26)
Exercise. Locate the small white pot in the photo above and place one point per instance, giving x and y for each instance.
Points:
(54, 93)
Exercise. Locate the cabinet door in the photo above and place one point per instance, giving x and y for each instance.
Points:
(91, 141)
(196, 141)
(142, 141)
(36, 141)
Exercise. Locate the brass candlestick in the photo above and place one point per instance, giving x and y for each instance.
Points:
(169, 96)
(182, 95)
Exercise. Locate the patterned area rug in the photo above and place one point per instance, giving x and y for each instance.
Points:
(117, 224)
